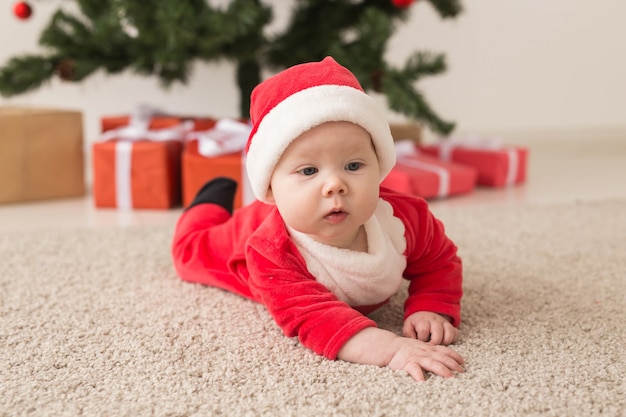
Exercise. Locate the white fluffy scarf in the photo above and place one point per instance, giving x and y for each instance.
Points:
(360, 278)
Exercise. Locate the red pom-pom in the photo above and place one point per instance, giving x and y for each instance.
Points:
(22, 10)
(402, 4)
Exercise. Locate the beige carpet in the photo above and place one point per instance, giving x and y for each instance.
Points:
(95, 323)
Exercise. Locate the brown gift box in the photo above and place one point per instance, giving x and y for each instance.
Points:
(41, 154)
(408, 130)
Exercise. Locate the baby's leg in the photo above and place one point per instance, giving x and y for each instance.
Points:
(202, 247)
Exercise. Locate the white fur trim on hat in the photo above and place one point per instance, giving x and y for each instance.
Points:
(303, 111)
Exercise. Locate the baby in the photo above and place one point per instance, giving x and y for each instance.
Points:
(325, 245)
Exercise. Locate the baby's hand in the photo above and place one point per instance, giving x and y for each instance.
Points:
(415, 357)
(381, 347)
(430, 327)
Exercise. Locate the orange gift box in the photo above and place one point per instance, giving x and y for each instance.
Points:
(429, 177)
(153, 178)
(217, 152)
(497, 166)
(141, 173)
(157, 122)
(197, 169)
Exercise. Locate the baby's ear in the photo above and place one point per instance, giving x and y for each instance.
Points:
(270, 196)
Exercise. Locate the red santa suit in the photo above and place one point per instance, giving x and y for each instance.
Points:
(315, 292)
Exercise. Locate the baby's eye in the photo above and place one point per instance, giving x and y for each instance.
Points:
(353, 166)
(308, 170)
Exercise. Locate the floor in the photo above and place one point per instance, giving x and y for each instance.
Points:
(581, 166)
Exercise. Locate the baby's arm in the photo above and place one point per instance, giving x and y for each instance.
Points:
(432, 310)
(430, 327)
(375, 346)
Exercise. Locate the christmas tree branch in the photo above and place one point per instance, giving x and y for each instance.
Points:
(405, 99)
(424, 64)
(447, 8)
(25, 73)
(66, 33)
(364, 54)
(163, 38)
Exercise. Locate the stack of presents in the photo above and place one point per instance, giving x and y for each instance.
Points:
(456, 166)
(149, 160)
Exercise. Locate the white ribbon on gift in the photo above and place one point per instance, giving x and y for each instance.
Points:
(227, 136)
(137, 129)
(448, 145)
(406, 148)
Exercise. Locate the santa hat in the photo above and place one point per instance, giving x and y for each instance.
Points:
(299, 98)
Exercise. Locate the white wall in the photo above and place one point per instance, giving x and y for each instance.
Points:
(519, 64)
(513, 64)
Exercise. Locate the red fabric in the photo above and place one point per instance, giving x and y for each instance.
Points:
(252, 255)
(274, 90)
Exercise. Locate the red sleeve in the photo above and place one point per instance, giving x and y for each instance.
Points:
(433, 266)
(300, 305)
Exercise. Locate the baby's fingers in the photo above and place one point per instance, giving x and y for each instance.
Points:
(441, 369)
(444, 364)
(408, 330)
(451, 335)
(423, 330)
(445, 367)
(415, 371)
(447, 353)
(436, 334)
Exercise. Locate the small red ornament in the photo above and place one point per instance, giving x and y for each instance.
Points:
(22, 10)
(402, 4)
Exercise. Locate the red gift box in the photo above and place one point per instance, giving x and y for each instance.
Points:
(496, 165)
(137, 168)
(429, 177)
(217, 152)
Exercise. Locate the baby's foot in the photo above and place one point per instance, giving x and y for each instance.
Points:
(220, 191)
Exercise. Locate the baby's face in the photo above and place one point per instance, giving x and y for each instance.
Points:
(326, 184)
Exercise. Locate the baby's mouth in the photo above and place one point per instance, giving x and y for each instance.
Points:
(336, 216)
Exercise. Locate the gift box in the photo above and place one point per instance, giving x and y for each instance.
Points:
(139, 174)
(403, 131)
(41, 154)
(155, 122)
(138, 165)
(217, 152)
(197, 169)
(496, 165)
(429, 177)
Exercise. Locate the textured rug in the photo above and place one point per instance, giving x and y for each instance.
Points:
(95, 322)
